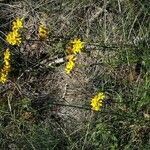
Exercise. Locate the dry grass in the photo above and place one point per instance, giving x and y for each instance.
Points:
(41, 107)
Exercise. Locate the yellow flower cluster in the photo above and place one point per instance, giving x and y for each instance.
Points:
(70, 64)
(14, 37)
(43, 32)
(6, 68)
(97, 101)
(76, 47)
(17, 24)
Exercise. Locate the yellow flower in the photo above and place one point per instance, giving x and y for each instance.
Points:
(97, 101)
(7, 55)
(17, 24)
(13, 38)
(77, 46)
(43, 32)
(3, 77)
(6, 68)
(70, 64)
